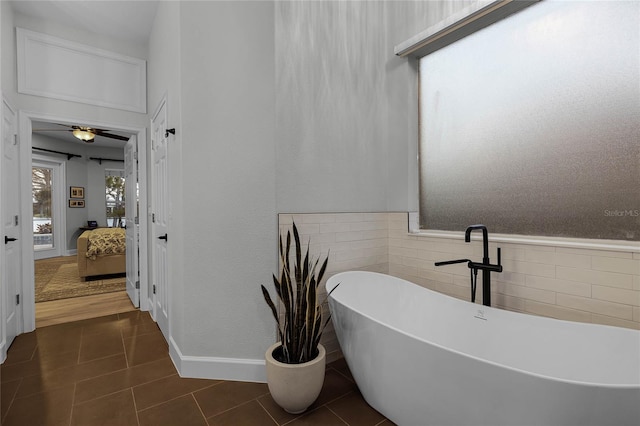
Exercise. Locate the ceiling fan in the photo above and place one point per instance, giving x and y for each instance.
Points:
(84, 133)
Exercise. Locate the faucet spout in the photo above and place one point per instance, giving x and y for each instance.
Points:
(485, 266)
(485, 239)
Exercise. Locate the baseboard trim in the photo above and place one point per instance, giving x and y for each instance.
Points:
(201, 367)
(73, 252)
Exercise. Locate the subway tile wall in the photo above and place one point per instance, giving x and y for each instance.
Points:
(583, 285)
(593, 286)
(353, 241)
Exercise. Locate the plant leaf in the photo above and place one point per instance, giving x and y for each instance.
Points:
(267, 298)
(323, 268)
(301, 326)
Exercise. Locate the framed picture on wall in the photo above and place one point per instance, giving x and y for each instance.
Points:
(77, 192)
(74, 204)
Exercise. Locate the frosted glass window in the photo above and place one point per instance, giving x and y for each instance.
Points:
(532, 125)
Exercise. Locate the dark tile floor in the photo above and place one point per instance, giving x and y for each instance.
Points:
(116, 370)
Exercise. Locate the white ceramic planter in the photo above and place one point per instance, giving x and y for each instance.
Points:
(294, 387)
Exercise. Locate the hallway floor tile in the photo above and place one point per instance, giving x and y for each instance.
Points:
(116, 370)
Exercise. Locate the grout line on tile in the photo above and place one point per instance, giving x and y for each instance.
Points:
(135, 405)
(95, 359)
(73, 400)
(79, 348)
(304, 413)
(11, 402)
(343, 375)
(177, 397)
(102, 375)
(241, 404)
(336, 414)
(126, 358)
(267, 411)
(100, 397)
(161, 403)
(119, 390)
(199, 408)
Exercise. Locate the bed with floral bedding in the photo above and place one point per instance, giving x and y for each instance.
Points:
(102, 251)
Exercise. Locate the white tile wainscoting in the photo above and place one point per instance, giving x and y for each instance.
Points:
(575, 284)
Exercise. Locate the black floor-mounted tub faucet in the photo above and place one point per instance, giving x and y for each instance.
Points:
(485, 266)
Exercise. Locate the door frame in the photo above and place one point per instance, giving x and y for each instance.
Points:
(58, 202)
(25, 129)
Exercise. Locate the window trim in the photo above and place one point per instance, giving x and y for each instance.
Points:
(472, 18)
(534, 240)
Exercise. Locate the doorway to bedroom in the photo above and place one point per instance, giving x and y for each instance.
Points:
(60, 278)
(77, 283)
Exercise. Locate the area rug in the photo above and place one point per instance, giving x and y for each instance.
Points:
(61, 281)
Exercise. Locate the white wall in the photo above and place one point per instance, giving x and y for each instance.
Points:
(332, 129)
(228, 96)
(7, 63)
(346, 105)
(215, 62)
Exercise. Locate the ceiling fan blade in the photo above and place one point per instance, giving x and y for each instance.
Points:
(109, 135)
(97, 132)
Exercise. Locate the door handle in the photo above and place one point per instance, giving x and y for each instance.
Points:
(8, 239)
(163, 237)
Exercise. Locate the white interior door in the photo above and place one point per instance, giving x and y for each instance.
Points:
(159, 218)
(12, 255)
(131, 219)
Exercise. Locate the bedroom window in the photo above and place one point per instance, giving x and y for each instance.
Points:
(41, 187)
(114, 184)
(531, 127)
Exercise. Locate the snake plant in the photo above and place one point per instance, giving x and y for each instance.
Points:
(301, 325)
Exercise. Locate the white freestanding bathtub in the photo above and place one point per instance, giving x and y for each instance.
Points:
(423, 358)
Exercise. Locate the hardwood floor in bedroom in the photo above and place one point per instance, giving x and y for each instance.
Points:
(75, 308)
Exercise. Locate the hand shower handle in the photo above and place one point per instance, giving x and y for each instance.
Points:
(451, 262)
